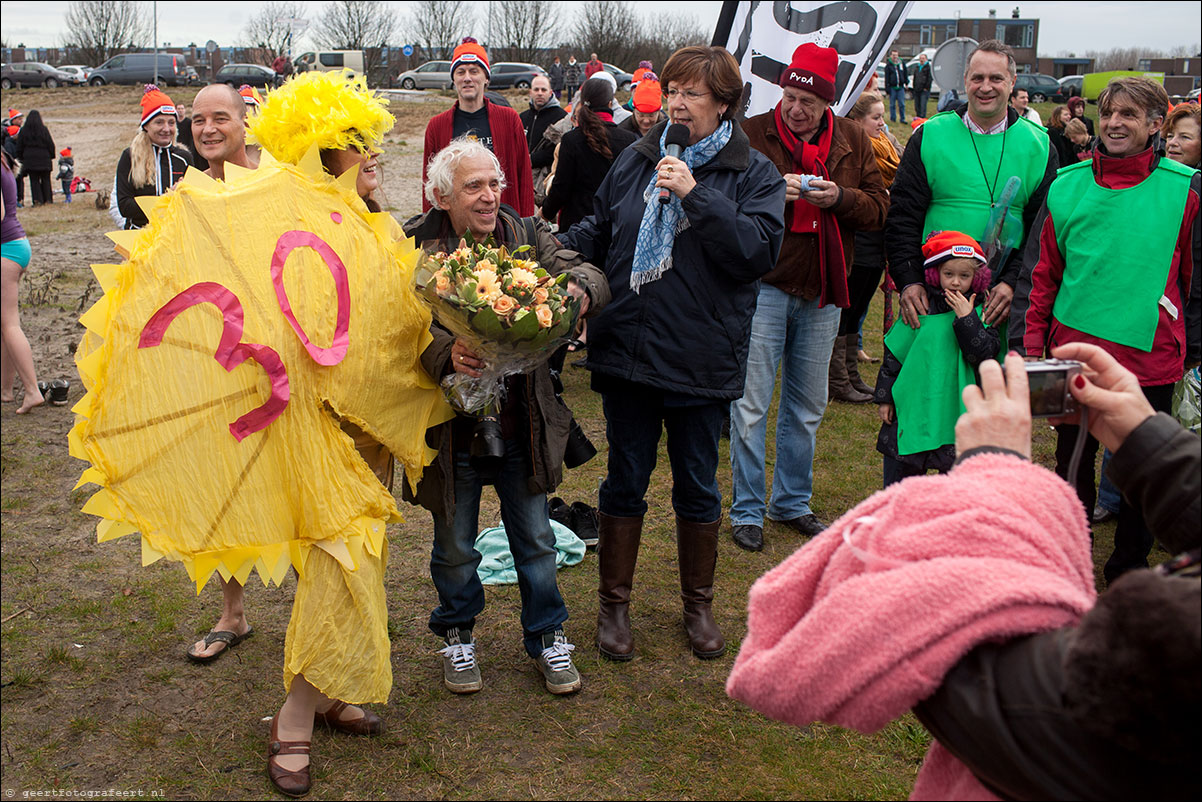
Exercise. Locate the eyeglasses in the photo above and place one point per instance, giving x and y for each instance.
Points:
(690, 95)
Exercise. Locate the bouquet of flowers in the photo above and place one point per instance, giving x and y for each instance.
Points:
(508, 310)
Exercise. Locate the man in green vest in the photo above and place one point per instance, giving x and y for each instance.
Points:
(982, 170)
(1115, 263)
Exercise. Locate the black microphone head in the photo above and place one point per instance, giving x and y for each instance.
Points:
(677, 135)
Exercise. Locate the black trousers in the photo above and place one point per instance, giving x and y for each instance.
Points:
(1132, 540)
(40, 188)
(865, 277)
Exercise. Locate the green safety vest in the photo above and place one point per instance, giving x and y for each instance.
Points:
(926, 395)
(1117, 246)
(960, 195)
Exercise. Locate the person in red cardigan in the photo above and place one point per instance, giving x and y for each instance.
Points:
(499, 128)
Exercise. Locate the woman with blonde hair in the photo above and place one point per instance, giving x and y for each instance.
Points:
(869, 262)
(337, 650)
(152, 163)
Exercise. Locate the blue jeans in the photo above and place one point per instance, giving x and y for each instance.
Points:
(897, 104)
(634, 421)
(454, 559)
(1108, 495)
(920, 103)
(798, 336)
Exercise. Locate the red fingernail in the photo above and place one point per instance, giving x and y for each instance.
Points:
(1079, 381)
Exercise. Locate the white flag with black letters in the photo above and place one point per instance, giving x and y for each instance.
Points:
(763, 35)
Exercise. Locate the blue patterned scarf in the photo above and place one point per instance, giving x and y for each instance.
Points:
(663, 221)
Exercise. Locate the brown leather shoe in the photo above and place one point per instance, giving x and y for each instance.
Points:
(368, 724)
(697, 551)
(617, 552)
(838, 386)
(290, 783)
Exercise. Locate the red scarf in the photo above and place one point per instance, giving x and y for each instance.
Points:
(810, 159)
(607, 116)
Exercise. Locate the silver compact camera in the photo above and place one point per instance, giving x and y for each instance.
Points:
(1049, 380)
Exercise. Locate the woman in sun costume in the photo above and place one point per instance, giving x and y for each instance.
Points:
(254, 325)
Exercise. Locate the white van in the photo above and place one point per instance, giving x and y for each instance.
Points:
(329, 61)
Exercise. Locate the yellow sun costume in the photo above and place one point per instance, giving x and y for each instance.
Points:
(251, 321)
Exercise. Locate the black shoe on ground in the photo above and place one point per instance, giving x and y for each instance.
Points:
(748, 536)
(560, 512)
(584, 523)
(807, 525)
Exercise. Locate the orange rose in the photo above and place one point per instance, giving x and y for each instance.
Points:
(504, 305)
(544, 315)
(442, 282)
(540, 295)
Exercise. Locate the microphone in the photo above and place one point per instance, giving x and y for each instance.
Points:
(674, 145)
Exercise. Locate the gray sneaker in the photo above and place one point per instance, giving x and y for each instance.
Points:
(556, 664)
(460, 673)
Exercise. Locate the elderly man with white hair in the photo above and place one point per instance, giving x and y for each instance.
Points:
(464, 185)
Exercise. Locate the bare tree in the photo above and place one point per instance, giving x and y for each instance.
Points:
(439, 25)
(609, 29)
(524, 28)
(365, 25)
(1128, 58)
(666, 35)
(269, 28)
(97, 29)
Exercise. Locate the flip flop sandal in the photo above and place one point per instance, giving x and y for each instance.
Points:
(58, 391)
(219, 636)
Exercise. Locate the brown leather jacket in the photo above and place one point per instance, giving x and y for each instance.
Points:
(546, 418)
(862, 208)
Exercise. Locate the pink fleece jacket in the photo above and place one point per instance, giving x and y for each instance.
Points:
(864, 621)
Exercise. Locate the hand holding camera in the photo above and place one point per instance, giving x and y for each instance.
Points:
(1116, 403)
(998, 413)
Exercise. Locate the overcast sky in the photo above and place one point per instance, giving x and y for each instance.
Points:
(1063, 26)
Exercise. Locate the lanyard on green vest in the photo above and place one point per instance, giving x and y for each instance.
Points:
(997, 173)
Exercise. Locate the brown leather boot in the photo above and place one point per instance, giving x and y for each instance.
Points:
(839, 387)
(852, 361)
(697, 551)
(617, 551)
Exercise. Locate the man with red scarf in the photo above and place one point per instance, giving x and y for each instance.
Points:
(797, 313)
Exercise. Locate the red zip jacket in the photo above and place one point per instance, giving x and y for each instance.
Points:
(1176, 340)
(509, 144)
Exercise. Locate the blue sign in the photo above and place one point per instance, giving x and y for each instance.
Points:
(407, 50)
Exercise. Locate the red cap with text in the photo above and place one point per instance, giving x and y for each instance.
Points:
(813, 68)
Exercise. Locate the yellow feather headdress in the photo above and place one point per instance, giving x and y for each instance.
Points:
(329, 109)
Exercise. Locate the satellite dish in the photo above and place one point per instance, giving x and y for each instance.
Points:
(950, 61)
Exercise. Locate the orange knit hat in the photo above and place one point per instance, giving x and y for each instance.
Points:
(470, 52)
(65, 153)
(14, 115)
(250, 95)
(648, 95)
(154, 103)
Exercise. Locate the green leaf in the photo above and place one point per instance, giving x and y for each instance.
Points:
(487, 323)
(525, 328)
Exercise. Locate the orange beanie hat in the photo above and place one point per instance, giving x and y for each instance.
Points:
(154, 103)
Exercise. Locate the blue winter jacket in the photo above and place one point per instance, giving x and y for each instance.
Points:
(688, 331)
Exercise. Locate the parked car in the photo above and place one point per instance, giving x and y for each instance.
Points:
(1070, 86)
(330, 60)
(513, 75)
(431, 75)
(79, 70)
(138, 68)
(35, 73)
(620, 75)
(1039, 87)
(254, 74)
